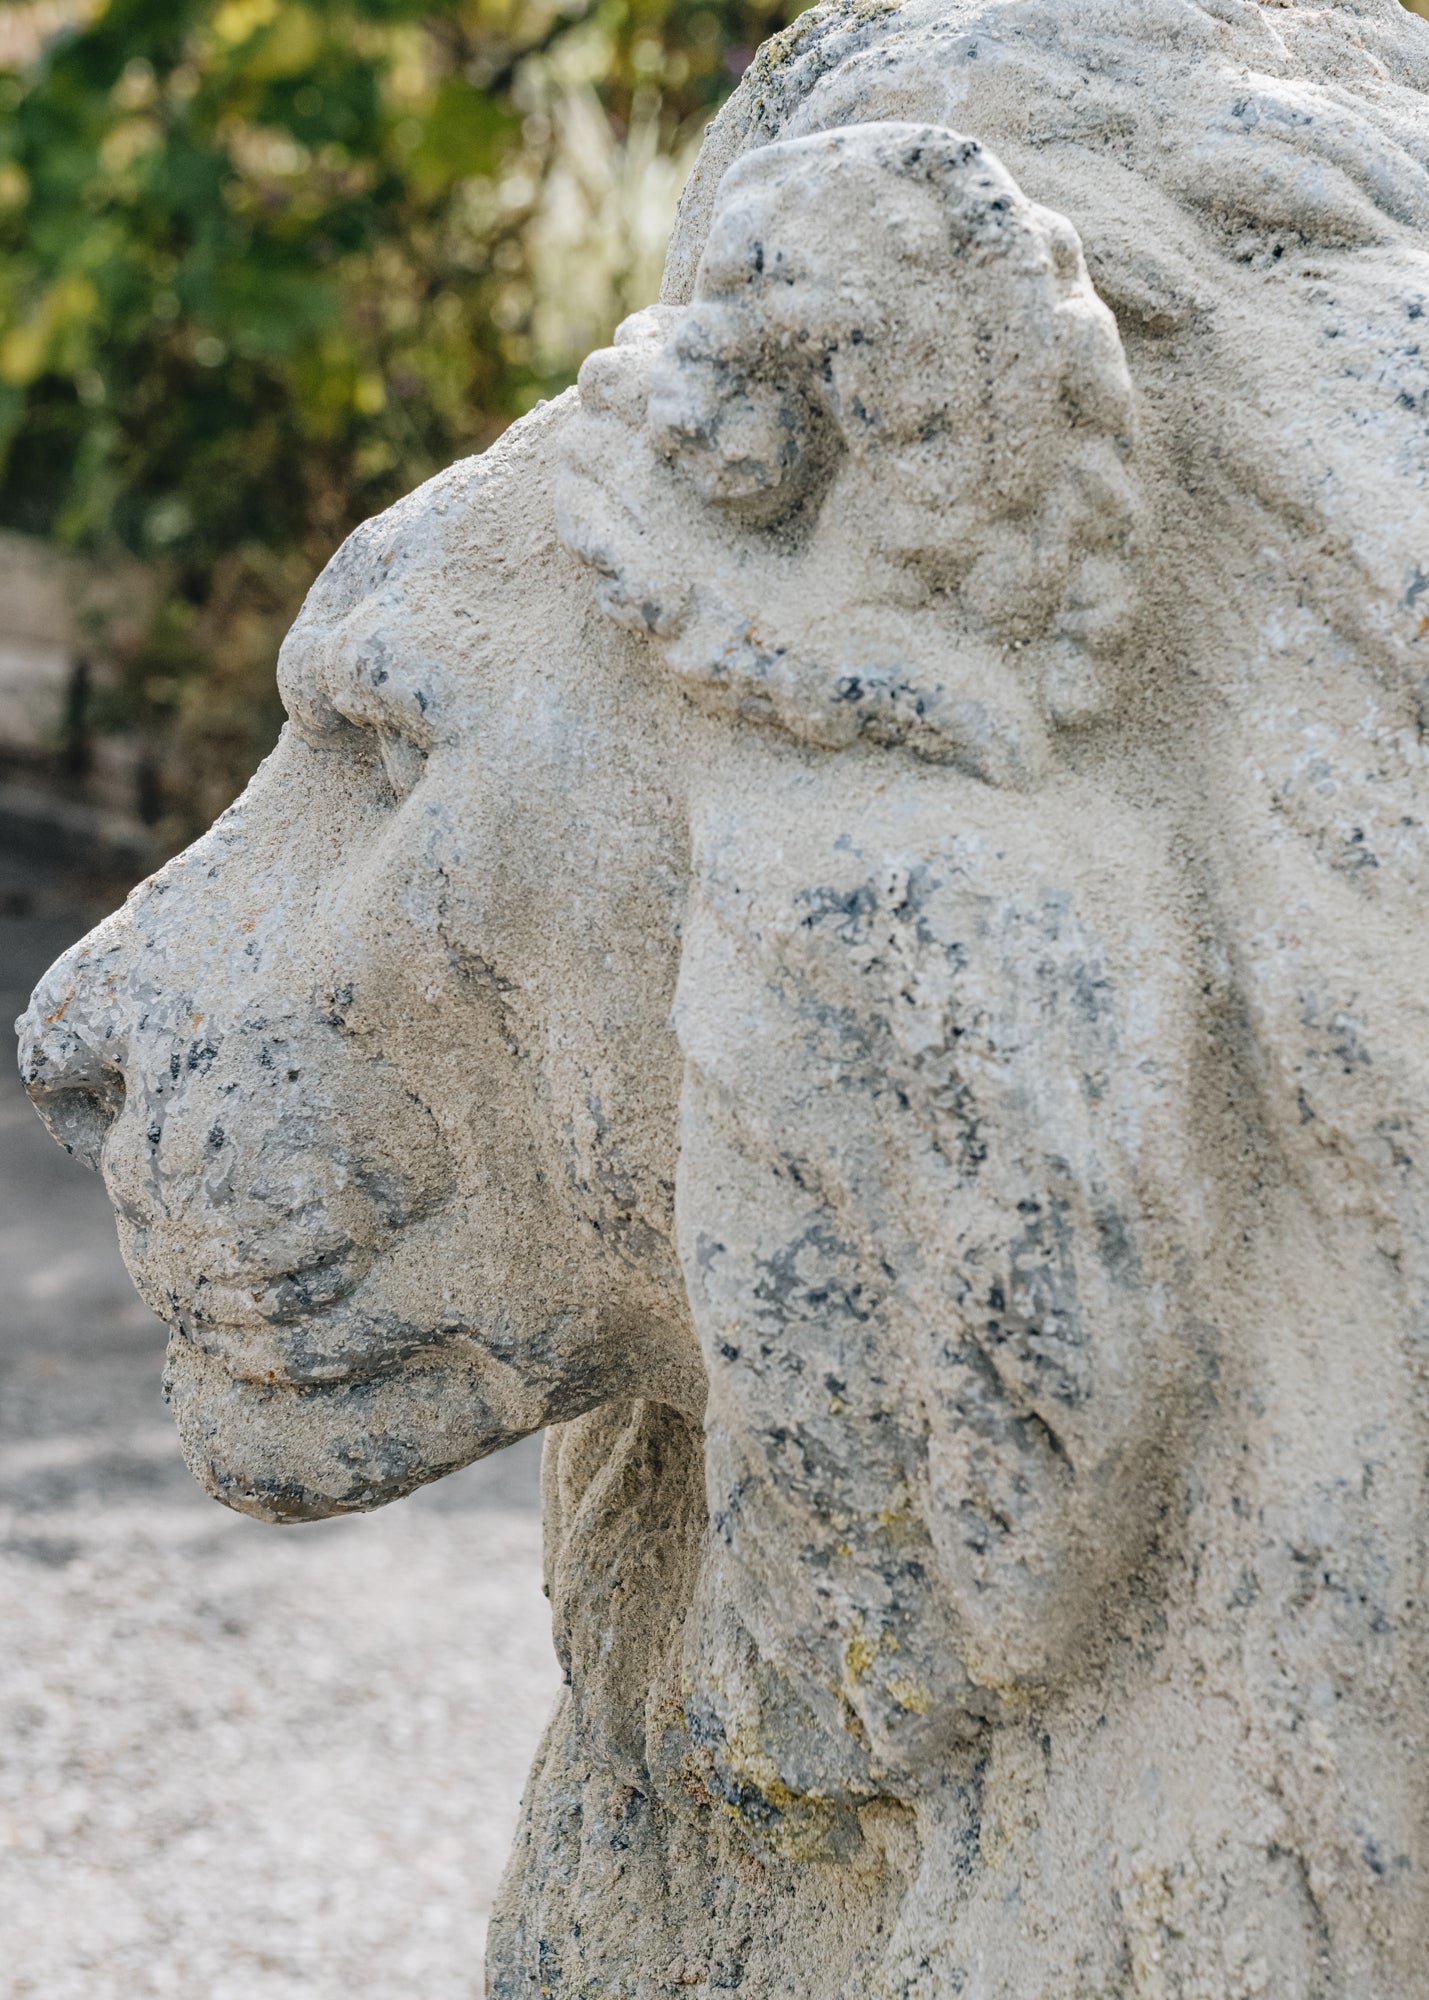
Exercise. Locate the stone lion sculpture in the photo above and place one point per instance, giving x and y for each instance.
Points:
(838, 921)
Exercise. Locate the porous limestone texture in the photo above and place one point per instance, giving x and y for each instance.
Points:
(838, 920)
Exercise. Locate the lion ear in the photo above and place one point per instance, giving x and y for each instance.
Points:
(936, 1206)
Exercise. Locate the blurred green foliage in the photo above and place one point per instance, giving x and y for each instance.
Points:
(266, 265)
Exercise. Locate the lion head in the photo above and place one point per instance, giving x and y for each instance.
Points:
(795, 894)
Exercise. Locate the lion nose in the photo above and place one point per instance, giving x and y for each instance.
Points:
(71, 1047)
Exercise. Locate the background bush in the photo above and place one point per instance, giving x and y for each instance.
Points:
(265, 266)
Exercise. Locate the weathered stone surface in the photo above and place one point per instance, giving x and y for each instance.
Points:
(839, 920)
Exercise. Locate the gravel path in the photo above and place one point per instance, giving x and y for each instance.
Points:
(236, 1762)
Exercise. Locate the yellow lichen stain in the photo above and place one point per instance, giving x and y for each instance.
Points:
(899, 1520)
(803, 1821)
(910, 1694)
(863, 1649)
(859, 1655)
(1016, 1697)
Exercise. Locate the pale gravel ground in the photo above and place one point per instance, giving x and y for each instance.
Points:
(241, 1763)
(236, 1762)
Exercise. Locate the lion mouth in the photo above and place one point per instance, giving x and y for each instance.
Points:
(320, 1321)
(269, 1298)
(333, 1347)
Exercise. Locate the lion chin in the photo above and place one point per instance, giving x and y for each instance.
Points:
(301, 1452)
